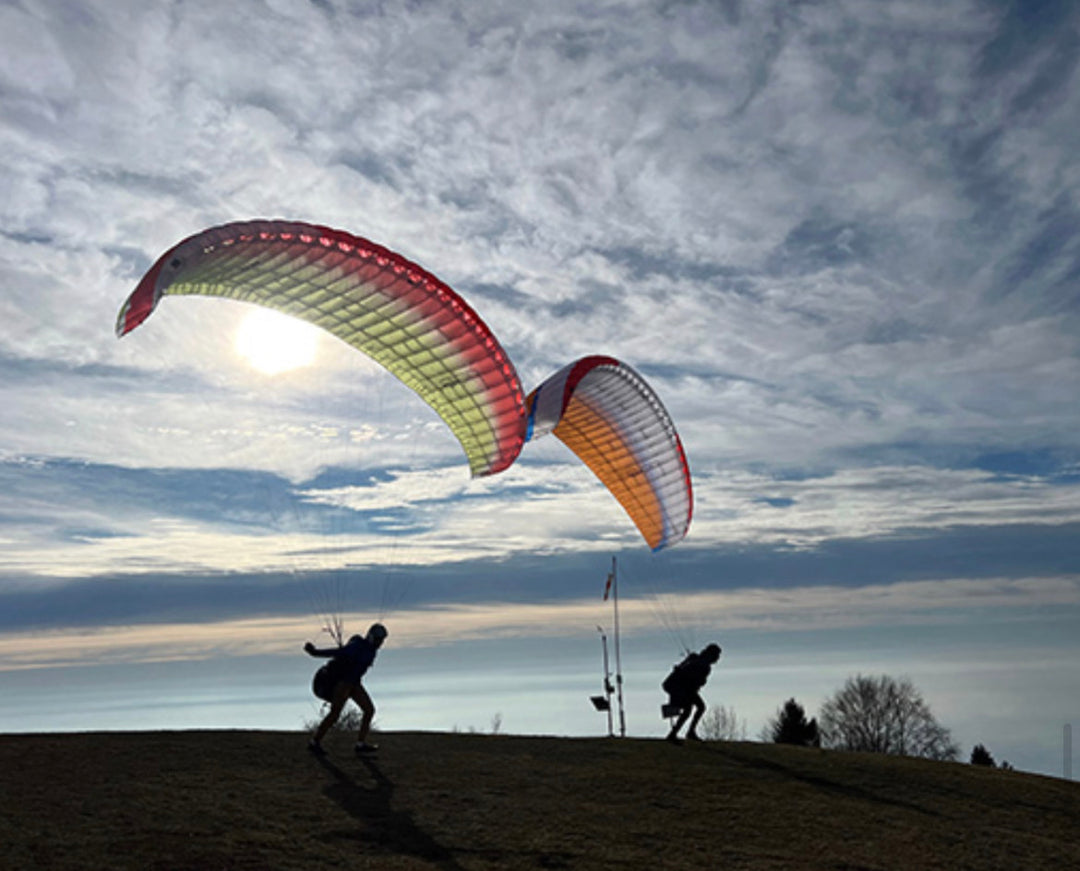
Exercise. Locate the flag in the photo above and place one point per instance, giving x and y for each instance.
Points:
(607, 586)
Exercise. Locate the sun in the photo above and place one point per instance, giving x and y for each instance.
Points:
(273, 343)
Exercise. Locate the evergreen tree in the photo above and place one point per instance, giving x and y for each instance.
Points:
(790, 726)
(981, 756)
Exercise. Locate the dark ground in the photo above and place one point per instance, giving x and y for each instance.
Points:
(258, 800)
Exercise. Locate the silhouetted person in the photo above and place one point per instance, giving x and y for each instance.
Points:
(683, 686)
(348, 665)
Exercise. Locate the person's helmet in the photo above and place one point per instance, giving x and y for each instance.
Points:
(712, 652)
(354, 639)
(377, 633)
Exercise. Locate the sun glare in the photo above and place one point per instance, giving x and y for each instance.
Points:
(272, 342)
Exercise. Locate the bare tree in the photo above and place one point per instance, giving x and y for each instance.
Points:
(884, 715)
(721, 724)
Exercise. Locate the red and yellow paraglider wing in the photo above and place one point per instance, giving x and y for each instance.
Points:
(375, 300)
(612, 420)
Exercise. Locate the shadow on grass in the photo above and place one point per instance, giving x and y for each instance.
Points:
(395, 831)
(823, 783)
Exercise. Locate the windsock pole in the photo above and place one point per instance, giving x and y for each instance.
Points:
(608, 688)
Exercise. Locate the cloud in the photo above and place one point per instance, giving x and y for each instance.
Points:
(941, 601)
(835, 238)
(78, 519)
(875, 502)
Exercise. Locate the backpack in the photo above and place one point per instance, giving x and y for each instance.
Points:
(326, 678)
(675, 682)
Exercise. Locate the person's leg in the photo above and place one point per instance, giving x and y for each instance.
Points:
(341, 695)
(684, 712)
(367, 711)
(699, 708)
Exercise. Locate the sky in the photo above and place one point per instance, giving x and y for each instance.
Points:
(839, 240)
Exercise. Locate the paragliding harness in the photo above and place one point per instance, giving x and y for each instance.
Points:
(327, 677)
(677, 687)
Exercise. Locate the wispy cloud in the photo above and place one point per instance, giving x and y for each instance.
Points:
(791, 203)
(79, 520)
(806, 609)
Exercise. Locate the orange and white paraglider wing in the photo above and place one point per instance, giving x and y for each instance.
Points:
(607, 414)
(373, 299)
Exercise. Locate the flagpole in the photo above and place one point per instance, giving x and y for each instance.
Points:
(618, 657)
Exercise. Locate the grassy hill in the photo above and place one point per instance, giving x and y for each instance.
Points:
(254, 800)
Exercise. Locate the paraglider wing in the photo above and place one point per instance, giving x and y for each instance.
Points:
(375, 300)
(608, 415)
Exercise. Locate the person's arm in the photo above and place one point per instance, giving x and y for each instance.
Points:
(326, 652)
